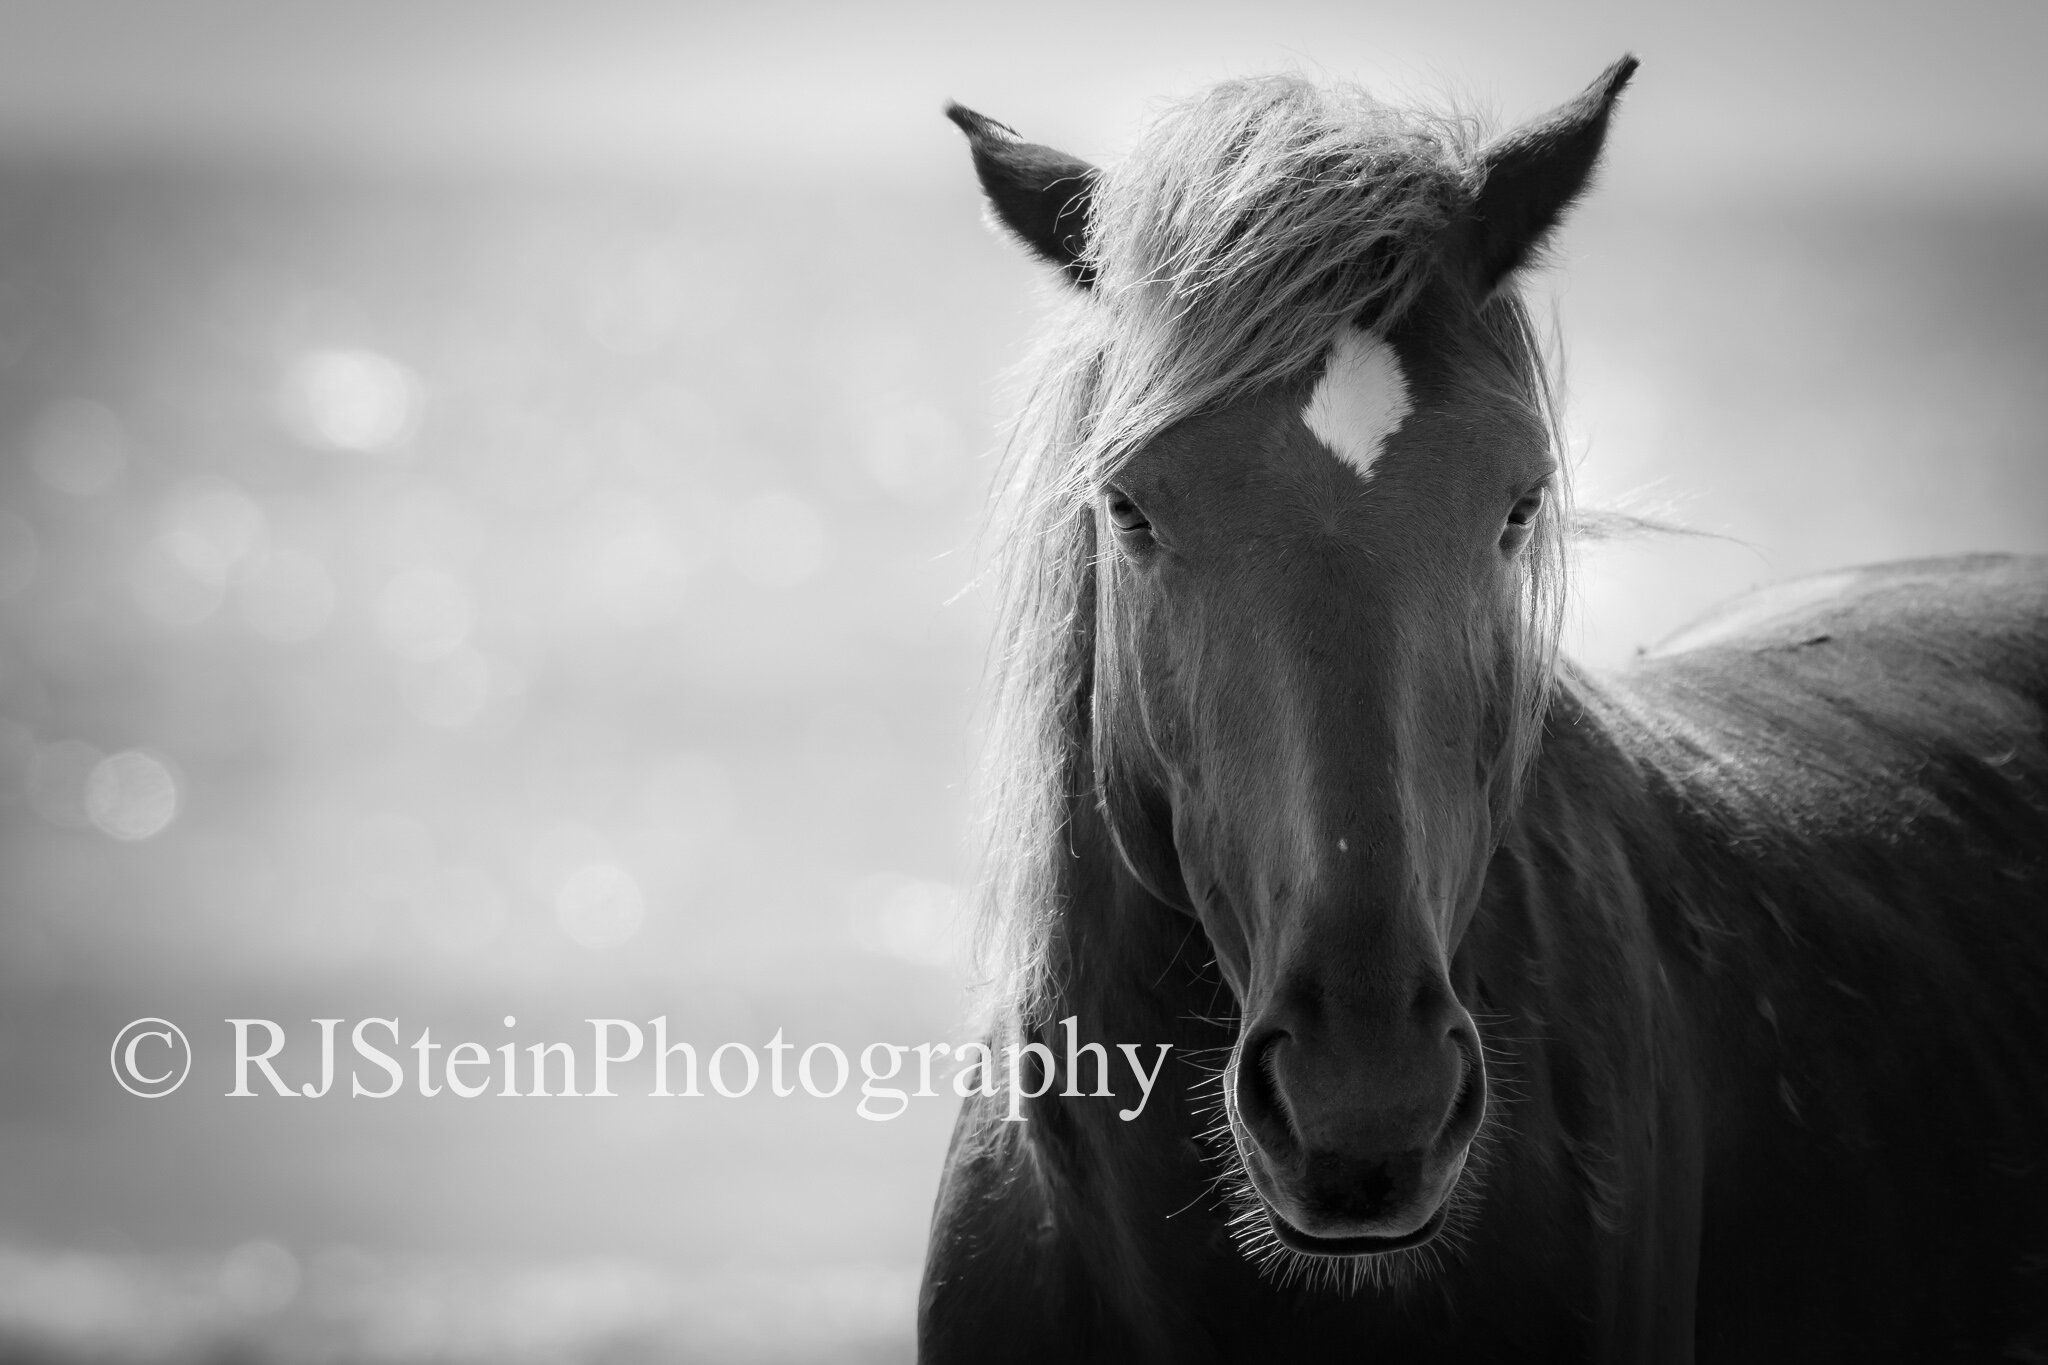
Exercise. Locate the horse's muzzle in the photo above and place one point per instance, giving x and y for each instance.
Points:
(1342, 1175)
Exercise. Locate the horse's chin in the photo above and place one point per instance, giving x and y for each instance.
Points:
(1294, 1239)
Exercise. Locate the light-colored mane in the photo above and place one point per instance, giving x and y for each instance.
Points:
(1247, 226)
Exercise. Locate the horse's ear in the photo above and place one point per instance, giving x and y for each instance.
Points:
(1531, 177)
(1039, 194)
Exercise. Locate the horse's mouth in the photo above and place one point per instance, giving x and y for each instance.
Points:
(1294, 1239)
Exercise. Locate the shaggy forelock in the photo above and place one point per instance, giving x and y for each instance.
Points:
(1244, 229)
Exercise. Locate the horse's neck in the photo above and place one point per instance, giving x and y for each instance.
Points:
(1059, 1231)
(1565, 891)
(1129, 968)
(1129, 971)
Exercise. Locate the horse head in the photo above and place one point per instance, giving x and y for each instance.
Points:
(1320, 504)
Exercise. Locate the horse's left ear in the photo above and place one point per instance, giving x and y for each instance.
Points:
(1531, 177)
(1039, 194)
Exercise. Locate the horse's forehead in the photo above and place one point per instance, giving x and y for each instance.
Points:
(1360, 401)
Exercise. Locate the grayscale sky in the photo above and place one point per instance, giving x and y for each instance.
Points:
(1946, 97)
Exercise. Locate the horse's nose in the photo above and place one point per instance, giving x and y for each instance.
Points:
(1359, 1133)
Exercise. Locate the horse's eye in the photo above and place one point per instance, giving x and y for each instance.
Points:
(1132, 528)
(1522, 518)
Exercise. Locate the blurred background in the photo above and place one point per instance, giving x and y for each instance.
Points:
(487, 513)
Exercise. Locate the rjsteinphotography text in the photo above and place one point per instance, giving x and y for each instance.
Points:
(153, 1057)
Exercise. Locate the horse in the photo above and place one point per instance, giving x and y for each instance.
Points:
(1695, 1011)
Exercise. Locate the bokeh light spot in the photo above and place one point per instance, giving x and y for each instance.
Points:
(131, 795)
(210, 526)
(909, 918)
(351, 399)
(632, 566)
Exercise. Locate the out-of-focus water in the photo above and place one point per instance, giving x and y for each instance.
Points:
(445, 601)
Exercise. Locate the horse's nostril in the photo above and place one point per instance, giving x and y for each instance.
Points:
(1468, 1105)
(1259, 1105)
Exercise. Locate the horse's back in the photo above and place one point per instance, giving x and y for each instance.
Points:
(1965, 602)
(1878, 735)
(1840, 698)
(1857, 768)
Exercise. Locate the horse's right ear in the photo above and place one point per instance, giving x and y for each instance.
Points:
(1531, 178)
(1040, 195)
